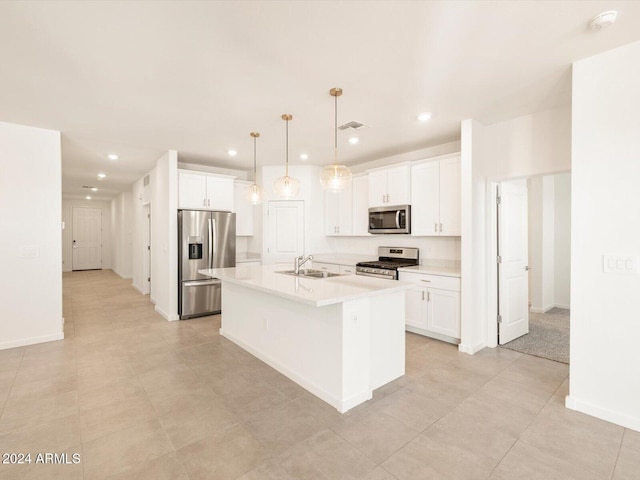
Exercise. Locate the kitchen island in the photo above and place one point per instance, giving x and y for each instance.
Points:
(339, 337)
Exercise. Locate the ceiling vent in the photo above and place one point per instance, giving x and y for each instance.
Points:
(352, 125)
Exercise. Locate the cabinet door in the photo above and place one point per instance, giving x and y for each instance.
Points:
(347, 270)
(219, 193)
(326, 267)
(243, 208)
(425, 199)
(360, 210)
(450, 192)
(443, 312)
(416, 307)
(399, 185)
(377, 188)
(331, 213)
(192, 190)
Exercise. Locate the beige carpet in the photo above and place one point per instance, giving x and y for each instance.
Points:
(548, 336)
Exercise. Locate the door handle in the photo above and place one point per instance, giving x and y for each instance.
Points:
(74, 244)
(397, 218)
(527, 268)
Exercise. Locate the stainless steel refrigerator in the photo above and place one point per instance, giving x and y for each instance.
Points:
(205, 240)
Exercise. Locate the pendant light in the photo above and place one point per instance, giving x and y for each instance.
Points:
(287, 187)
(254, 192)
(335, 178)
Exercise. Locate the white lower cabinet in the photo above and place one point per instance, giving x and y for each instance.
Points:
(433, 305)
(335, 268)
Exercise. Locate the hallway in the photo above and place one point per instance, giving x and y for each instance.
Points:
(142, 398)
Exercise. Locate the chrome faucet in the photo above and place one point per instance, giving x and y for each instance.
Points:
(298, 262)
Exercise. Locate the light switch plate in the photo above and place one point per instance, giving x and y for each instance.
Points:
(29, 251)
(619, 263)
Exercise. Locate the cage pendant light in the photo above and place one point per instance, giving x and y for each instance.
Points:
(254, 192)
(335, 178)
(287, 187)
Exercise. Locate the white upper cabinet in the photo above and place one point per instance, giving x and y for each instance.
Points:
(243, 208)
(390, 186)
(435, 197)
(204, 191)
(338, 213)
(192, 190)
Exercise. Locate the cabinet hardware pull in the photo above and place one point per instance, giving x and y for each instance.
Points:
(204, 202)
(423, 295)
(426, 281)
(428, 296)
(435, 227)
(440, 228)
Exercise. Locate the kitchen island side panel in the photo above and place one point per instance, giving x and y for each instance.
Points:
(326, 350)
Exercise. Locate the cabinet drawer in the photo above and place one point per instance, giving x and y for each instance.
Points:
(347, 270)
(327, 267)
(431, 281)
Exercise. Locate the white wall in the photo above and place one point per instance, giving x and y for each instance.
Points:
(549, 241)
(122, 234)
(605, 307)
(164, 236)
(562, 246)
(534, 144)
(30, 245)
(67, 234)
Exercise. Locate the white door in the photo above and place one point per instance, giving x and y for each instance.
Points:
(443, 308)
(399, 185)
(285, 231)
(450, 196)
(513, 269)
(425, 199)
(377, 188)
(146, 253)
(192, 190)
(220, 193)
(416, 307)
(87, 239)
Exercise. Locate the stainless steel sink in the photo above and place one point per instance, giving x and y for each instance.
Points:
(310, 273)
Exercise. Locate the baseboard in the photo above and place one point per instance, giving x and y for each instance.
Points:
(564, 307)
(471, 349)
(124, 277)
(427, 333)
(170, 318)
(341, 405)
(139, 289)
(627, 421)
(541, 310)
(31, 341)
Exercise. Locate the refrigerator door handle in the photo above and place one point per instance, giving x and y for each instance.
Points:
(202, 283)
(214, 248)
(210, 243)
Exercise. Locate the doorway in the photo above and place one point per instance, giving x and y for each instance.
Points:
(86, 238)
(285, 231)
(146, 253)
(538, 301)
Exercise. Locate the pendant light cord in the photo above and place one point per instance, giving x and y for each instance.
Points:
(286, 170)
(254, 160)
(335, 151)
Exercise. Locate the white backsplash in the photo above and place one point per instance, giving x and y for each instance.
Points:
(432, 249)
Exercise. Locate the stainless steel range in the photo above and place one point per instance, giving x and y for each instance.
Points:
(389, 260)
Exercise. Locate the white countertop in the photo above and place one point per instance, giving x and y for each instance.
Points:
(342, 258)
(447, 271)
(317, 292)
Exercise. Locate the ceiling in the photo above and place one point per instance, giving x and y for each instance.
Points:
(140, 78)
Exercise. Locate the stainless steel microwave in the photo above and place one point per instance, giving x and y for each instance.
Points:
(391, 219)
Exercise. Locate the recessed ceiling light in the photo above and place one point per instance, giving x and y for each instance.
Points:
(603, 20)
(88, 197)
(353, 140)
(232, 153)
(304, 156)
(94, 189)
(424, 116)
(101, 176)
(112, 156)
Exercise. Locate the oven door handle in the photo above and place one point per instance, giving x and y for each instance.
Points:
(375, 275)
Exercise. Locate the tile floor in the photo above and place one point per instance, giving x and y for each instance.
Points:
(142, 398)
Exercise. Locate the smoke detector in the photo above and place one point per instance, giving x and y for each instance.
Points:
(603, 20)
